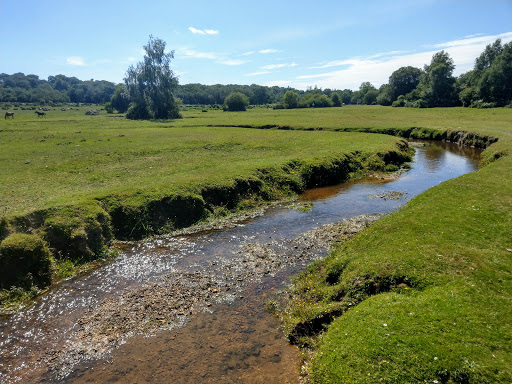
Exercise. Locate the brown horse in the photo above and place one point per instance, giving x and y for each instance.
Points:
(40, 114)
(9, 114)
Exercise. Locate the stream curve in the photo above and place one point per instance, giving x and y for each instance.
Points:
(190, 308)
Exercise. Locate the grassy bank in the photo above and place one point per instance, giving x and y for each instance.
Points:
(425, 294)
(78, 181)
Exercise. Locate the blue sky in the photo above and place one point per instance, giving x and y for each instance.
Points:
(329, 44)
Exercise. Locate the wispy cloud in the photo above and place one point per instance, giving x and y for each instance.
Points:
(276, 66)
(75, 60)
(377, 68)
(262, 51)
(270, 50)
(203, 31)
(474, 39)
(232, 62)
(199, 55)
(257, 73)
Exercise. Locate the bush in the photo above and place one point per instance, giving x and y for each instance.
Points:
(236, 101)
(25, 261)
(315, 100)
(400, 102)
(108, 107)
(483, 104)
(137, 112)
(420, 103)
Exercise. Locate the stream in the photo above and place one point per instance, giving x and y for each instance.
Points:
(191, 308)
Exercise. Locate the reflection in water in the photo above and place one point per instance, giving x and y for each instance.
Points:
(230, 343)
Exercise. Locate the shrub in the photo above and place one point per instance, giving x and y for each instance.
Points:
(483, 104)
(25, 261)
(236, 101)
(108, 107)
(400, 102)
(420, 103)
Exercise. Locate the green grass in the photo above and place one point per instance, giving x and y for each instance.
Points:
(424, 295)
(67, 158)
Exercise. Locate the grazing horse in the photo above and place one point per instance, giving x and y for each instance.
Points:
(40, 114)
(9, 114)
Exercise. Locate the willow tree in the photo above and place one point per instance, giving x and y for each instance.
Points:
(151, 84)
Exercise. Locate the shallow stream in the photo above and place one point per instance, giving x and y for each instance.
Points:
(191, 308)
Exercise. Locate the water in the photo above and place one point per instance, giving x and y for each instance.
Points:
(218, 331)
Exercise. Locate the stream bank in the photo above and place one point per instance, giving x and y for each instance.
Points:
(78, 330)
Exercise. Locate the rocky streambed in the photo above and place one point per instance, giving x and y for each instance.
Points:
(170, 302)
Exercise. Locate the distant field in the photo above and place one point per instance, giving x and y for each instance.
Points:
(67, 157)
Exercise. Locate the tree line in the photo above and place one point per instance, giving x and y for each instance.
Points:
(488, 84)
(21, 88)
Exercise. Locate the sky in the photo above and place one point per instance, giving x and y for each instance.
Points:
(334, 44)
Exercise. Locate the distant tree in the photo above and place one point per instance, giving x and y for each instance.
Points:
(487, 57)
(151, 84)
(236, 101)
(346, 96)
(437, 84)
(108, 107)
(370, 97)
(402, 81)
(335, 99)
(356, 97)
(291, 100)
(495, 84)
(384, 97)
(119, 99)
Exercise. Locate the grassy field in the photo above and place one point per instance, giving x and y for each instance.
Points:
(67, 158)
(424, 295)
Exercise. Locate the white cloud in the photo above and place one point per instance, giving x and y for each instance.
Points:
(258, 73)
(75, 60)
(276, 66)
(264, 51)
(233, 62)
(472, 40)
(377, 68)
(199, 55)
(203, 31)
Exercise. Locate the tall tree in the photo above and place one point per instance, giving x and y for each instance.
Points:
(151, 84)
(495, 84)
(402, 81)
(290, 99)
(437, 84)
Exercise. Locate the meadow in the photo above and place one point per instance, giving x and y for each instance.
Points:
(424, 295)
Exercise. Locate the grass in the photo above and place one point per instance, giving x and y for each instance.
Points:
(68, 158)
(424, 295)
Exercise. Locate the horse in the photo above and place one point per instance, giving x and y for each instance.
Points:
(40, 114)
(9, 114)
